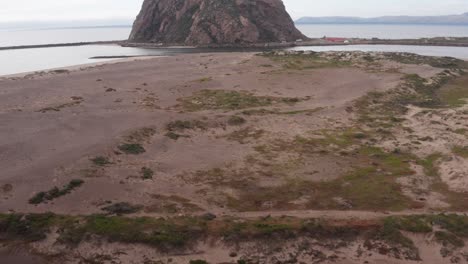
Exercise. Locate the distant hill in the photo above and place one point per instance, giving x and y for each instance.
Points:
(441, 20)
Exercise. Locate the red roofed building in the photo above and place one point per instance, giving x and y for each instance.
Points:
(336, 39)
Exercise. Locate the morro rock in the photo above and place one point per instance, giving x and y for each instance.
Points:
(201, 22)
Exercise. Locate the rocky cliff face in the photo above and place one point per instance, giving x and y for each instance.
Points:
(198, 22)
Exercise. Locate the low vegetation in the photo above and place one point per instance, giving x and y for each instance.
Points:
(55, 192)
(429, 164)
(146, 173)
(461, 151)
(122, 208)
(172, 204)
(370, 183)
(437, 62)
(133, 149)
(141, 135)
(455, 93)
(236, 121)
(263, 111)
(173, 136)
(179, 232)
(101, 161)
(230, 100)
(304, 60)
(57, 108)
(182, 125)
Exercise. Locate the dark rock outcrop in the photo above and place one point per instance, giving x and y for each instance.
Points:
(200, 22)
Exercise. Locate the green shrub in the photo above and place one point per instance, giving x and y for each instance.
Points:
(55, 192)
(147, 173)
(133, 149)
(101, 161)
(236, 121)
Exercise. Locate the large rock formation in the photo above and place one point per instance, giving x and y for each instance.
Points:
(199, 22)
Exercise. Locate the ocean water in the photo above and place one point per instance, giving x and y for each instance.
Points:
(17, 37)
(29, 60)
(20, 37)
(456, 52)
(382, 31)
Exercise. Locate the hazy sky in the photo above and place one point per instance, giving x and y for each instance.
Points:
(27, 10)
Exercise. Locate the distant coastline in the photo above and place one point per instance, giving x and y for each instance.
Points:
(452, 20)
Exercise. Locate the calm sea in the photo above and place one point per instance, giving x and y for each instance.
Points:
(27, 60)
(383, 31)
(19, 37)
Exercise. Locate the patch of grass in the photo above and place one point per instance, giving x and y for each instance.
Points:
(175, 136)
(363, 189)
(60, 107)
(437, 62)
(264, 228)
(198, 261)
(449, 239)
(140, 135)
(133, 149)
(181, 125)
(390, 232)
(180, 232)
(229, 100)
(262, 112)
(371, 184)
(155, 232)
(55, 192)
(391, 235)
(330, 140)
(32, 227)
(216, 177)
(381, 110)
(412, 223)
(461, 131)
(146, 173)
(160, 233)
(429, 164)
(236, 121)
(302, 61)
(456, 224)
(122, 208)
(461, 151)
(454, 95)
(376, 187)
(458, 201)
(101, 161)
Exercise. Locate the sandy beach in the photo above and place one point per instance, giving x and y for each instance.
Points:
(349, 136)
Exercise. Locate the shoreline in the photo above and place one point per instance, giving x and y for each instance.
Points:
(109, 60)
(441, 42)
(57, 45)
(76, 67)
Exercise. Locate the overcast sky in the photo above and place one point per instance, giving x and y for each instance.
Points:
(46, 10)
